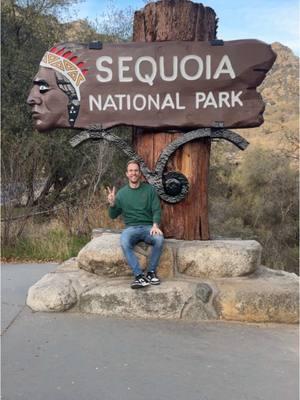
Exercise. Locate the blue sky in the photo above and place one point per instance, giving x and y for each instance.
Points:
(267, 20)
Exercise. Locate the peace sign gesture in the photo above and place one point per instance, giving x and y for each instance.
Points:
(111, 195)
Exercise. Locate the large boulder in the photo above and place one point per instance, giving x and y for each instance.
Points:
(52, 294)
(218, 258)
(61, 289)
(104, 257)
(265, 296)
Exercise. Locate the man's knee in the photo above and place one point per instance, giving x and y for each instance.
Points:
(158, 240)
(125, 241)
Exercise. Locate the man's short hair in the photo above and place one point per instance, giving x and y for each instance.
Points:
(133, 162)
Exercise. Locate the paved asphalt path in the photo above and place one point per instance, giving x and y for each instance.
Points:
(68, 356)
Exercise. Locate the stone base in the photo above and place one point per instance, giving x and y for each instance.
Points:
(263, 296)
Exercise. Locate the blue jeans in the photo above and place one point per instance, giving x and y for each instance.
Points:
(141, 233)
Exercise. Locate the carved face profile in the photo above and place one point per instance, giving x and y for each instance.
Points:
(55, 96)
(49, 105)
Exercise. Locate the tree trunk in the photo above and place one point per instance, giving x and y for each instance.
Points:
(178, 20)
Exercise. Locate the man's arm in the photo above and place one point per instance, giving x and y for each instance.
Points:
(114, 211)
(156, 212)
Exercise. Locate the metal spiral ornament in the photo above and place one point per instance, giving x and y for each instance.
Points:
(171, 186)
(175, 183)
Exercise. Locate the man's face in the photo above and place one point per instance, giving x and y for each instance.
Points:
(133, 173)
(48, 103)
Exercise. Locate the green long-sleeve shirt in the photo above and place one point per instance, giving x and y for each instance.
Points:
(138, 206)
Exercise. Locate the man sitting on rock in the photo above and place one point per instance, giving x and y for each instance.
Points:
(140, 208)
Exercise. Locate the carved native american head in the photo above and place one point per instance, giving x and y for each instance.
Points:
(55, 96)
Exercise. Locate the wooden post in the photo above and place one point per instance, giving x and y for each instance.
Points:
(178, 20)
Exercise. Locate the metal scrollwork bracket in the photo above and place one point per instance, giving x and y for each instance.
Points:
(171, 186)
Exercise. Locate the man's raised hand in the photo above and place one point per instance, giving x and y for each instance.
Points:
(111, 195)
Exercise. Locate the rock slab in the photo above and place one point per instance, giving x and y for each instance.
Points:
(169, 301)
(264, 296)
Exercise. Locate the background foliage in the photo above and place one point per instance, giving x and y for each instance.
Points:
(43, 174)
(257, 199)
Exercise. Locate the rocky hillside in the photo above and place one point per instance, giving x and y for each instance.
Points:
(82, 31)
(280, 91)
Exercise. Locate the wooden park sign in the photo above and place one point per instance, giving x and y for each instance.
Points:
(161, 85)
(175, 77)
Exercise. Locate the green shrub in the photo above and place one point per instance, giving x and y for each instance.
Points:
(257, 199)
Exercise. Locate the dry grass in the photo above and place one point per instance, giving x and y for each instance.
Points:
(60, 237)
(87, 216)
(45, 245)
